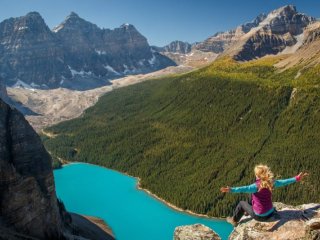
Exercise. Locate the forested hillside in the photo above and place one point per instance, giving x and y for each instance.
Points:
(188, 135)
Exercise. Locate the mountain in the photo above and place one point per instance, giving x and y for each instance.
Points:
(187, 135)
(223, 40)
(281, 29)
(176, 47)
(29, 208)
(76, 53)
(30, 52)
(182, 53)
(277, 32)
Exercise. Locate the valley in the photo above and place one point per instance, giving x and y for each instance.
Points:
(183, 119)
(56, 105)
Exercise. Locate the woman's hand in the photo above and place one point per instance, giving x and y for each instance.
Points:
(225, 189)
(302, 175)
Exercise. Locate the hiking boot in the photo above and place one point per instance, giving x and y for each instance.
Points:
(232, 221)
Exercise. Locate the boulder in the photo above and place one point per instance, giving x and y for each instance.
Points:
(195, 232)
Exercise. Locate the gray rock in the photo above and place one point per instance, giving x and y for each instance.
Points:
(290, 223)
(3, 90)
(29, 208)
(195, 232)
(28, 202)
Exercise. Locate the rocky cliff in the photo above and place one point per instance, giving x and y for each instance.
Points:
(28, 203)
(76, 53)
(289, 223)
(279, 31)
(29, 208)
(307, 55)
(221, 41)
(3, 89)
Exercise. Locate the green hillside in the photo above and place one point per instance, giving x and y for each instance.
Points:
(188, 135)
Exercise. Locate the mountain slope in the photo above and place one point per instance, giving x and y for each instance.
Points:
(308, 54)
(188, 135)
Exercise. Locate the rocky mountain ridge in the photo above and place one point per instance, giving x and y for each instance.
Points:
(221, 41)
(283, 30)
(76, 53)
(176, 47)
(279, 31)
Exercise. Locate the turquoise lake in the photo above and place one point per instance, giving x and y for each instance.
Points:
(131, 213)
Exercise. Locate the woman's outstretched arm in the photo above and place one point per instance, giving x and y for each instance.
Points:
(285, 182)
(244, 189)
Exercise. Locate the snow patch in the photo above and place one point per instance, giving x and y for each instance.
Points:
(34, 85)
(111, 69)
(141, 62)
(62, 80)
(81, 73)
(152, 60)
(22, 28)
(126, 69)
(21, 84)
(57, 28)
(100, 52)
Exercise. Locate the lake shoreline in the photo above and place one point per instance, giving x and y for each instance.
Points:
(138, 186)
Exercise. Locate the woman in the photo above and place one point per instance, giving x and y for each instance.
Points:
(260, 207)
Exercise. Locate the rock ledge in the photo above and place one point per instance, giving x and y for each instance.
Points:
(290, 223)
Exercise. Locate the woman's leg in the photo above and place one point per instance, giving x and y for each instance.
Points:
(241, 208)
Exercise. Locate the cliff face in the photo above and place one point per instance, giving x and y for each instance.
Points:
(281, 30)
(29, 208)
(3, 89)
(28, 203)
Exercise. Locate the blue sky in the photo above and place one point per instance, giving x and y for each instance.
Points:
(161, 21)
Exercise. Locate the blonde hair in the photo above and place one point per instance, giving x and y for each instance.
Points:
(265, 175)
